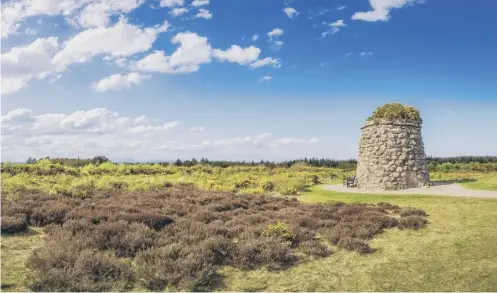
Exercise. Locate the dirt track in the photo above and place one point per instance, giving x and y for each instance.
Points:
(452, 189)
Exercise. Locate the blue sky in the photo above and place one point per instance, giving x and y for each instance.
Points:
(162, 79)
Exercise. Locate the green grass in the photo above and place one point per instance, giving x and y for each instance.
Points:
(469, 180)
(480, 185)
(15, 251)
(457, 251)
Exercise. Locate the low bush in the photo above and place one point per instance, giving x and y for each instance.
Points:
(279, 230)
(254, 253)
(412, 212)
(315, 248)
(65, 264)
(412, 222)
(14, 224)
(354, 244)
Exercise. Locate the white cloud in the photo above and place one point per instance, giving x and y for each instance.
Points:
(236, 54)
(118, 82)
(193, 51)
(100, 131)
(255, 37)
(276, 45)
(273, 35)
(318, 13)
(266, 61)
(366, 54)
(13, 13)
(198, 3)
(30, 32)
(150, 128)
(347, 55)
(197, 129)
(22, 64)
(122, 39)
(17, 116)
(242, 140)
(171, 3)
(338, 23)
(177, 11)
(334, 28)
(277, 32)
(265, 78)
(98, 121)
(342, 7)
(290, 12)
(381, 9)
(98, 13)
(203, 13)
(121, 62)
(81, 13)
(292, 141)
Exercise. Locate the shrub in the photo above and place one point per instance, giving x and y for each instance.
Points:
(52, 212)
(314, 248)
(308, 222)
(219, 249)
(170, 266)
(354, 244)
(384, 206)
(153, 219)
(65, 265)
(157, 267)
(395, 111)
(14, 224)
(412, 212)
(412, 222)
(254, 253)
(268, 186)
(177, 237)
(125, 239)
(279, 230)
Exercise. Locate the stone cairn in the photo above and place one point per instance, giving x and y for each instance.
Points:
(391, 151)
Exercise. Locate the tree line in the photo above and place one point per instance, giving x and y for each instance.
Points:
(314, 162)
(72, 162)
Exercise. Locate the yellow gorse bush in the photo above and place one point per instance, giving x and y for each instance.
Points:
(47, 177)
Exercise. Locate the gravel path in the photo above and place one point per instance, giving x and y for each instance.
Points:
(452, 189)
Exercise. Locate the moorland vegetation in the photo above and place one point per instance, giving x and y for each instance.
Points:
(176, 238)
(107, 226)
(56, 176)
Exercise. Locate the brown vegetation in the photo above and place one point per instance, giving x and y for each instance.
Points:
(176, 238)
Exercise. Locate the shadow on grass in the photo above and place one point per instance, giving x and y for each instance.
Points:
(6, 286)
(29, 232)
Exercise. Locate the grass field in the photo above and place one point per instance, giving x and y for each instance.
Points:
(457, 251)
(469, 180)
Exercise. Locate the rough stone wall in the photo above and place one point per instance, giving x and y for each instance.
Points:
(391, 155)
